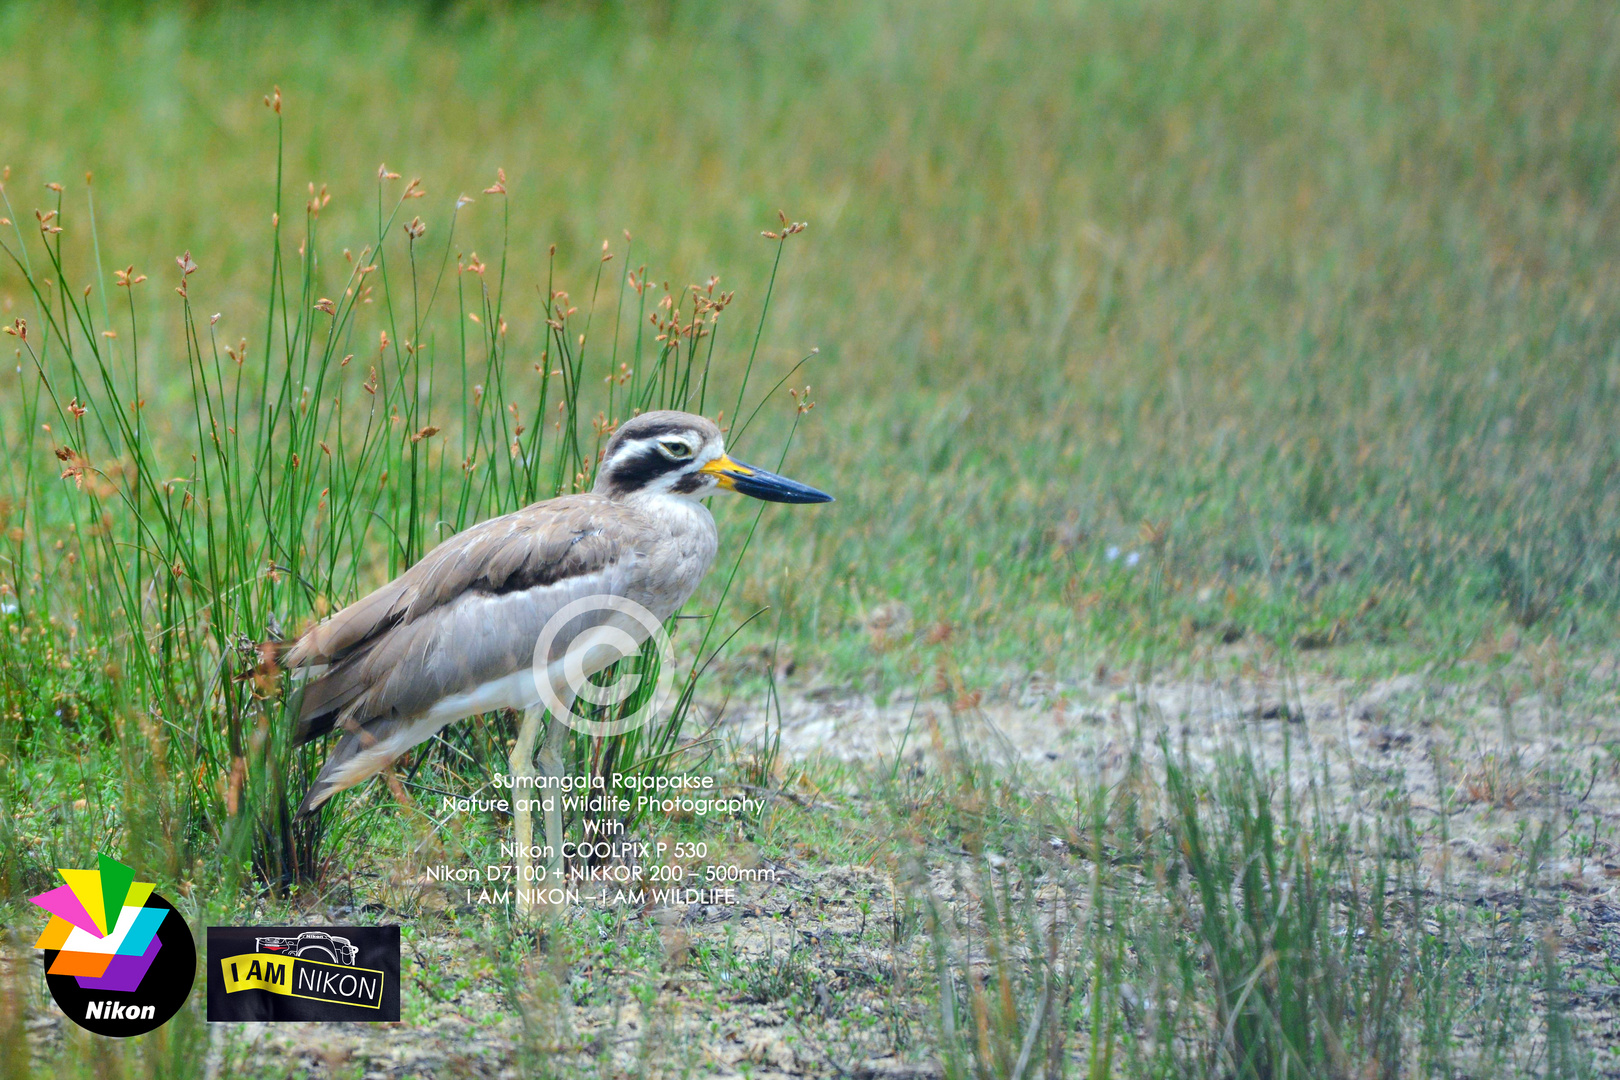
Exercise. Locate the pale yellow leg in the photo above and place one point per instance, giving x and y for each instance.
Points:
(551, 767)
(522, 765)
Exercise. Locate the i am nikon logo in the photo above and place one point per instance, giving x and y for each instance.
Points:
(303, 973)
(310, 979)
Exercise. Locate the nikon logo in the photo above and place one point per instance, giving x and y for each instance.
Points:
(329, 985)
(314, 980)
(117, 1010)
(303, 974)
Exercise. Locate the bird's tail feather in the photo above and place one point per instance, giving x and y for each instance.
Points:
(324, 699)
(362, 754)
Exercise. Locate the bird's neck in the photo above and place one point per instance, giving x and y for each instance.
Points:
(666, 506)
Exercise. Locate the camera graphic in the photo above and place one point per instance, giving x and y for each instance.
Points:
(311, 945)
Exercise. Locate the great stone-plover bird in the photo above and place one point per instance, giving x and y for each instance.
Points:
(456, 634)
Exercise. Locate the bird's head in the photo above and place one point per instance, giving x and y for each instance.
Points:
(678, 453)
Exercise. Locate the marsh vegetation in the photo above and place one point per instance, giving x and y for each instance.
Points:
(1270, 346)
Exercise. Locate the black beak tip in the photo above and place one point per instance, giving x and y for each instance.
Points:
(769, 487)
(805, 494)
(801, 496)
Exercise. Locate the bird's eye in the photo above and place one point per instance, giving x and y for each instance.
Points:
(677, 450)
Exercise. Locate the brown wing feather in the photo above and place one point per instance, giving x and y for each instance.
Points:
(364, 643)
(539, 544)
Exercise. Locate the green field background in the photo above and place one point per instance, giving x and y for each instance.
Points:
(1146, 340)
(1324, 293)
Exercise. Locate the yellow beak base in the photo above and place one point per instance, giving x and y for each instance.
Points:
(761, 483)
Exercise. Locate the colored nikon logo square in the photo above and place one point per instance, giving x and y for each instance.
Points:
(119, 959)
(303, 973)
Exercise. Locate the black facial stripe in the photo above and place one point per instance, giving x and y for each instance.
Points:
(652, 429)
(635, 473)
(657, 430)
(688, 483)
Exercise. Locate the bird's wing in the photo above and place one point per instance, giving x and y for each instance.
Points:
(538, 545)
(470, 656)
(469, 612)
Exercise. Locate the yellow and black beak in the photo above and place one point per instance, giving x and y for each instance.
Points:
(761, 483)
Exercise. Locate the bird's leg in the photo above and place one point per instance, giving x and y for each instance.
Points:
(551, 767)
(522, 765)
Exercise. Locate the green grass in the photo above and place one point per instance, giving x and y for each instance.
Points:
(1328, 289)
(1138, 330)
(301, 485)
(1226, 918)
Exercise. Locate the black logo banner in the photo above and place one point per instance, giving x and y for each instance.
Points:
(331, 973)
